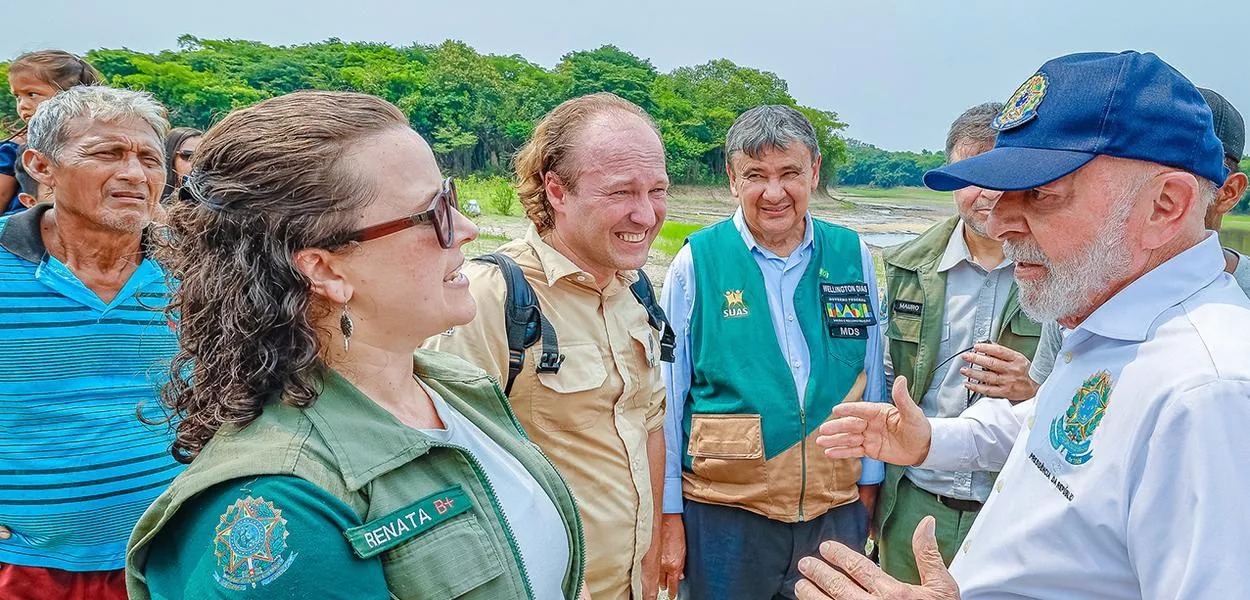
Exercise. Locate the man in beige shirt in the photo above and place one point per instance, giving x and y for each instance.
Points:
(593, 181)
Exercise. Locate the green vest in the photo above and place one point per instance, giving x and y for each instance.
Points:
(352, 448)
(916, 293)
(742, 387)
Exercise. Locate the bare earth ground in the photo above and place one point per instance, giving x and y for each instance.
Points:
(885, 217)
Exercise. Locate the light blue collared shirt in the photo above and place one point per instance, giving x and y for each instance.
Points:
(781, 280)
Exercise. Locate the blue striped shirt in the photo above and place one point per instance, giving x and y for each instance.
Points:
(77, 467)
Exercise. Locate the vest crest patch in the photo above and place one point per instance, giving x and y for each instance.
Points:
(250, 545)
(735, 305)
(1071, 432)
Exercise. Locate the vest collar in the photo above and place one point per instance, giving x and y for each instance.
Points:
(365, 439)
(924, 252)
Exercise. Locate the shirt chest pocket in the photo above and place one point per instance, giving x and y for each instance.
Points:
(447, 562)
(566, 400)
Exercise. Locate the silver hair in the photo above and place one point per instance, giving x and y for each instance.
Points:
(771, 126)
(973, 128)
(48, 130)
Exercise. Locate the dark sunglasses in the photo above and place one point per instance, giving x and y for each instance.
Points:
(442, 213)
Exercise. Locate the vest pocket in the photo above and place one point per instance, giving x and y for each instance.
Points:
(904, 329)
(446, 562)
(563, 405)
(727, 448)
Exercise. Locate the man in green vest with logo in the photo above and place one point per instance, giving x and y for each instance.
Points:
(776, 318)
(949, 292)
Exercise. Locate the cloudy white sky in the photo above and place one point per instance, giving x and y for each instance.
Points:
(898, 71)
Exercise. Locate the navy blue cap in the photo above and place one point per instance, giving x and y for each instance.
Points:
(1076, 107)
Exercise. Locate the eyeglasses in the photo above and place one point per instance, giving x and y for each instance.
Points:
(442, 213)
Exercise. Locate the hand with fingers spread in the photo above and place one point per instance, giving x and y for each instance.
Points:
(844, 574)
(1004, 373)
(897, 434)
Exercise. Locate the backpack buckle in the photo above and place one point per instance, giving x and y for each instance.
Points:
(549, 362)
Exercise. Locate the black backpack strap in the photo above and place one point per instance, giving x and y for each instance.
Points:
(524, 321)
(645, 293)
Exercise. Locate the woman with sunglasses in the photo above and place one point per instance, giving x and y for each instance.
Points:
(180, 144)
(318, 247)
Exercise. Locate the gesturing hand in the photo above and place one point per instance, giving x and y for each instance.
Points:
(897, 434)
(1004, 373)
(860, 579)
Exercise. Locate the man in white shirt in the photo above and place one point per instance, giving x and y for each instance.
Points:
(1122, 482)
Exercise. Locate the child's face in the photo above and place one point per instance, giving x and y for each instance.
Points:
(30, 91)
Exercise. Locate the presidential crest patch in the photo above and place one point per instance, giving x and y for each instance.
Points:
(1022, 107)
(250, 545)
(1071, 433)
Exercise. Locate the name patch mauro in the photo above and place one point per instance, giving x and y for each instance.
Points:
(847, 309)
(379, 535)
(903, 307)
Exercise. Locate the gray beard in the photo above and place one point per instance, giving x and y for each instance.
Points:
(1070, 287)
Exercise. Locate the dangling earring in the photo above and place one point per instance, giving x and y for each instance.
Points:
(345, 325)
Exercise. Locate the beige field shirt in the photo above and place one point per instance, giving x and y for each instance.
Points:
(592, 418)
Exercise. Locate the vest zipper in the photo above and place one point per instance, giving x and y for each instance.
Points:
(802, 458)
(577, 514)
(494, 501)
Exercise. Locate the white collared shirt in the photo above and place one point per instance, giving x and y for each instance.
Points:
(1147, 502)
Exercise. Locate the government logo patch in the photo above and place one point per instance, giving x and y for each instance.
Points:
(735, 305)
(1071, 432)
(250, 545)
(1022, 107)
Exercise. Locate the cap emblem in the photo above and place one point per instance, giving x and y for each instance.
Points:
(1023, 104)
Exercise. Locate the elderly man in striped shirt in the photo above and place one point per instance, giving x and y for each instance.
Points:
(83, 341)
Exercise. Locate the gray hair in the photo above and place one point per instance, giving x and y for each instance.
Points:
(47, 131)
(769, 126)
(973, 128)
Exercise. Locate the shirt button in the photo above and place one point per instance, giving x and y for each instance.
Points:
(1067, 357)
(795, 364)
(999, 486)
(967, 544)
(790, 318)
(1032, 420)
(581, 278)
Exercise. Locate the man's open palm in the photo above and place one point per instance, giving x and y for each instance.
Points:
(898, 434)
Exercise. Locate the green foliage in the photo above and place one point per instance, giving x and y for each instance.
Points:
(495, 195)
(866, 164)
(673, 236)
(476, 110)
(1243, 207)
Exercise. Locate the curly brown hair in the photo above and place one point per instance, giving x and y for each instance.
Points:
(550, 149)
(266, 182)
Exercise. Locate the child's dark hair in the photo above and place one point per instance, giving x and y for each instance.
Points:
(57, 68)
(25, 183)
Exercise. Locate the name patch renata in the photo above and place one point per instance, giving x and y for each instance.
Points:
(379, 535)
(1054, 480)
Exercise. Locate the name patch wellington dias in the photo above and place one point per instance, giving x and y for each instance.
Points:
(379, 535)
(847, 309)
(1022, 107)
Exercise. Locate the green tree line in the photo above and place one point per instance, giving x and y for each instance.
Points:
(868, 165)
(475, 109)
